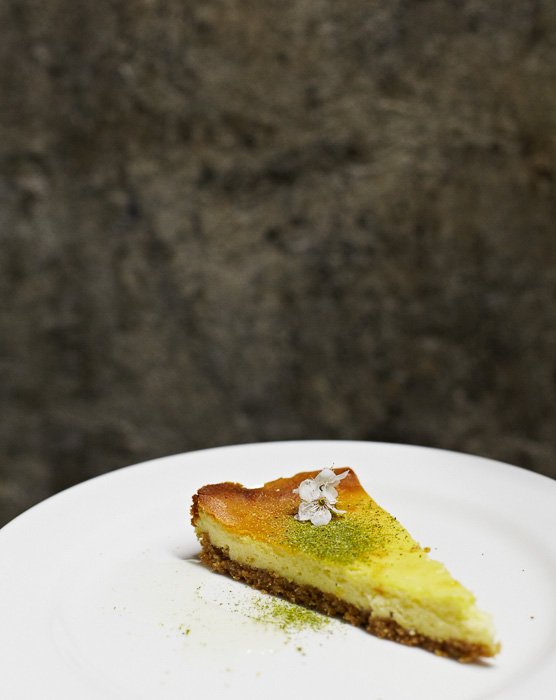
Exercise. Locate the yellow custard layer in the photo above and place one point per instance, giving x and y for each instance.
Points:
(364, 556)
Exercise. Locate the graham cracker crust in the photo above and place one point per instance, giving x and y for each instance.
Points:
(219, 561)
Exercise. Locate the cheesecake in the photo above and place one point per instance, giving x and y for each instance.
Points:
(319, 540)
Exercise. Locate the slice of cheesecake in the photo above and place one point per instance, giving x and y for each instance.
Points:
(357, 562)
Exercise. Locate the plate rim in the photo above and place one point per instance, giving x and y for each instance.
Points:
(26, 519)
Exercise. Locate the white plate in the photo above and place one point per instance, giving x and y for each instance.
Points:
(101, 596)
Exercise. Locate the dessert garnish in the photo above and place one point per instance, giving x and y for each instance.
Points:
(319, 497)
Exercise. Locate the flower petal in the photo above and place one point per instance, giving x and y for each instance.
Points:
(338, 477)
(335, 510)
(308, 490)
(324, 477)
(322, 516)
(307, 510)
(327, 477)
(329, 492)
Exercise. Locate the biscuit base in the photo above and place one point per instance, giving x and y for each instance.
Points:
(219, 561)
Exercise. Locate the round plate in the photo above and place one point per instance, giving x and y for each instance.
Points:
(101, 594)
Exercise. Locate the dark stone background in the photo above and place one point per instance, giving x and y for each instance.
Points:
(226, 221)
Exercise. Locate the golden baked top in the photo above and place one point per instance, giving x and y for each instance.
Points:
(267, 513)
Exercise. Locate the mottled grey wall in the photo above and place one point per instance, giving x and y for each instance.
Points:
(225, 221)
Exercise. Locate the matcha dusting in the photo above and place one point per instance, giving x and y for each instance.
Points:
(343, 540)
(288, 617)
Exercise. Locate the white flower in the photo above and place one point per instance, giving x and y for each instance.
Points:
(327, 480)
(318, 497)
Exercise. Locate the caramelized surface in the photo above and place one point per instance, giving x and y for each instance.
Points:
(265, 514)
(252, 511)
(260, 513)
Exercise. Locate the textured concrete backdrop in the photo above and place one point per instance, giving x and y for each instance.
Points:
(226, 221)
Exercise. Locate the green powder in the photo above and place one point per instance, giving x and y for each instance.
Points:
(287, 616)
(343, 540)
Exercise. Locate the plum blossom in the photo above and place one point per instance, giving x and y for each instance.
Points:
(319, 497)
